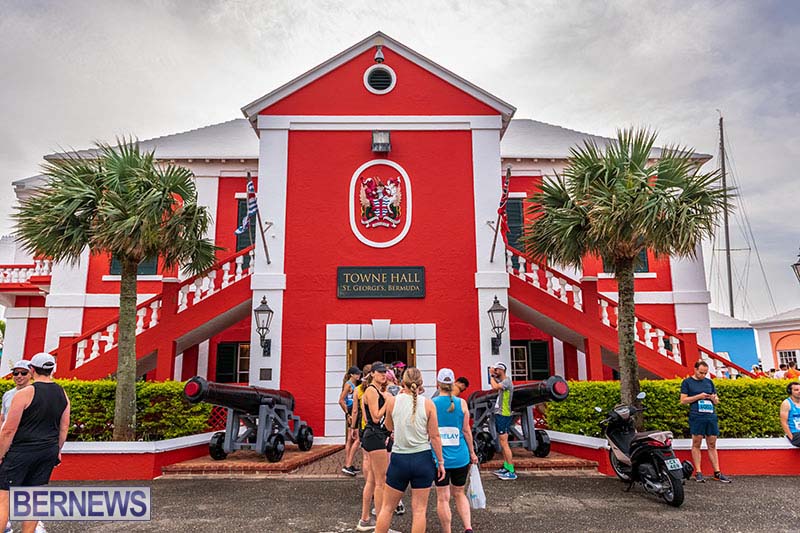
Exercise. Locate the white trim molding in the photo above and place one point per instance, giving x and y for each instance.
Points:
(636, 275)
(337, 337)
(352, 205)
(373, 122)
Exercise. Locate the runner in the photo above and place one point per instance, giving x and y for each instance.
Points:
(460, 386)
(357, 425)
(700, 393)
(21, 373)
(790, 413)
(376, 436)
(346, 403)
(502, 418)
(416, 431)
(457, 450)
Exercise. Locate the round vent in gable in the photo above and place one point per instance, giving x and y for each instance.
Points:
(379, 79)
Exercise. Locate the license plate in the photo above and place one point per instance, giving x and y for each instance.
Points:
(673, 464)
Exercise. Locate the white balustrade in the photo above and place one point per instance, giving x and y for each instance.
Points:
(239, 262)
(648, 334)
(140, 319)
(535, 273)
(183, 298)
(577, 298)
(604, 312)
(661, 344)
(110, 336)
(548, 282)
(154, 307)
(676, 350)
(80, 354)
(95, 346)
(635, 329)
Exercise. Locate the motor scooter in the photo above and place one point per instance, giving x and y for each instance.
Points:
(644, 458)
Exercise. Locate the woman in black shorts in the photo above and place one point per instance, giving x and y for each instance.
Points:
(375, 434)
(413, 420)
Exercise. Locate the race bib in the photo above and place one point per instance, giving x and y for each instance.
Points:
(796, 421)
(705, 406)
(451, 436)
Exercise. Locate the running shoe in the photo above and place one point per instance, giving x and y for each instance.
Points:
(40, 528)
(367, 525)
(355, 469)
(722, 478)
(8, 528)
(507, 475)
(699, 477)
(499, 471)
(349, 470)
(401, 508)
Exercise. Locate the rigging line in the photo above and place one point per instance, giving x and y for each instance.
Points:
(750, 230)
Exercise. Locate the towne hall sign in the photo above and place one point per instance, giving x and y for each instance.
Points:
(380, 282)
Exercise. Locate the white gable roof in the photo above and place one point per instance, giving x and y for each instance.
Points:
(722, 321)
(791, 316)
(252, 109)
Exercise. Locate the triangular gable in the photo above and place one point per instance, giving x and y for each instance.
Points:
(398, 56)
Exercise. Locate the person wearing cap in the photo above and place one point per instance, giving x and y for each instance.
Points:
(346, 403)
(33, 434)
(21, 374)
(501, 382)
(457, 450)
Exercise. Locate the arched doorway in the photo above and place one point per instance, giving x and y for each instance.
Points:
(361, 353)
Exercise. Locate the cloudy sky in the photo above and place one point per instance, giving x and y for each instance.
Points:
(74, 72)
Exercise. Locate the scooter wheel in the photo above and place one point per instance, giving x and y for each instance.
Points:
(673, 489)
(622, 470)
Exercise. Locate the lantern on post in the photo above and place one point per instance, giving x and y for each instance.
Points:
(263, 315)
(497, 316)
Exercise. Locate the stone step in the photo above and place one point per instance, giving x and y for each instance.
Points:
(246, 462)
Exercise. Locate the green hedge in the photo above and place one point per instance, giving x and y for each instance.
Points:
(161, 410)
(747, 407)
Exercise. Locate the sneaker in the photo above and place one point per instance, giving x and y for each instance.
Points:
(349, 470)
(722, 478)
(373, 513)
(401, 509)
(699, 477)
(507, 475)
(40, 528)
(500, 471)
(355, 469)
(8, 528)
(369, 525)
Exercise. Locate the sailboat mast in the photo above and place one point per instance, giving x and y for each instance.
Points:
(725, 215)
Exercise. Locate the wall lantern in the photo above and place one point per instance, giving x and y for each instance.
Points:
(381, 142)
(497, 314)
(263, 314)
(796, 268)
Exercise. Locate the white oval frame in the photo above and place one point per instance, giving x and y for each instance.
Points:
(377, 66)
(354, 222)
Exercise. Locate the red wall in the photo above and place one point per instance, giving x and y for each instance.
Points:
(441, 239)
(417, 92)
(34, 337)
(226, 221)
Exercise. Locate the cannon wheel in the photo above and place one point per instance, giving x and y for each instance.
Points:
(305, 438)
(484, 446)
(275, 448)
(542, 444)
(215, 449)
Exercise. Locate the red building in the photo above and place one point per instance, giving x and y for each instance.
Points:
(376, 252)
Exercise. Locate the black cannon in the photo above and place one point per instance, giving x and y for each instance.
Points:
(264, 413)
(523, 402)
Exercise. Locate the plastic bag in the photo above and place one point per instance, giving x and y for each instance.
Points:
(477, 498)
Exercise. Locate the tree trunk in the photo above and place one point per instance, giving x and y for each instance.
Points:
(628, 364)
(125, 399)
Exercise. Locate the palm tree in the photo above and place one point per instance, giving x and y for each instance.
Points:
(119, 202)
(616, 202)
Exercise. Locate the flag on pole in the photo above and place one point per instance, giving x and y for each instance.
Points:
(501, 210)
(252, 208)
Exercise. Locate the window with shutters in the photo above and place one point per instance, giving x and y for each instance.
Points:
(248, 238)
(233, 362)
(515, 215)
(530, 360)
(148, 267)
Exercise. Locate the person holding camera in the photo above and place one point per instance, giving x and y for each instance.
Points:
(501, 382)
(700, 393)
(790, 413)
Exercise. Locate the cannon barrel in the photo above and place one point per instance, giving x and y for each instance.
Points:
(241, 398)
(553, 389)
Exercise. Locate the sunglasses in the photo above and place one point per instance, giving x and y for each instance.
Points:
(20, 373)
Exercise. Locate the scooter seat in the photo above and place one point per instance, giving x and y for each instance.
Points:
(645, 434)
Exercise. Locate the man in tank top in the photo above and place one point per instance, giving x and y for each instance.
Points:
(33, 434)
(790, 413)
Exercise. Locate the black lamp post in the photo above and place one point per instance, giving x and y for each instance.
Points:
(796, 268)
(497, 315)
(263, 314)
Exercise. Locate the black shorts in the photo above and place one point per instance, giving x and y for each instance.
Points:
(28, 468)
(454, 476)
(418, 469)
(374, 439)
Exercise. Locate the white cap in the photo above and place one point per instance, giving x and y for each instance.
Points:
(446, 376)
(44, 361)
(22, 363)
(500, 364)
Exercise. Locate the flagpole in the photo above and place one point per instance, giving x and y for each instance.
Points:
(499, 215)
(261, 229)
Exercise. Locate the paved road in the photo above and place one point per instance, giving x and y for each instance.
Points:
(532, 503)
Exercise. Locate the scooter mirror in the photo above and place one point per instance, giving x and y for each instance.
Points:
(641, 395)
(598, 409)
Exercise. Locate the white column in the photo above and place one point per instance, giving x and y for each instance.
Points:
(178, 369)
(582, 375)
(14, 340)
(202, 360)
(207, 192)
(66, 300)
(269, 279)
(490, 279)
(691, 296)
(558, 357)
